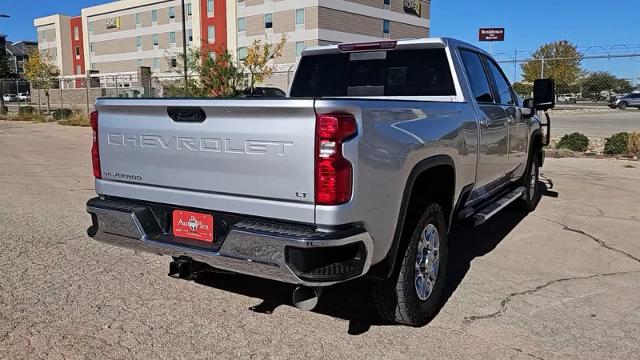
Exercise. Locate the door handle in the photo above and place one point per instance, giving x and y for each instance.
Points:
(186, 114)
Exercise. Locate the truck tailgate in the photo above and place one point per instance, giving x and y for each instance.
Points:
(246, 148)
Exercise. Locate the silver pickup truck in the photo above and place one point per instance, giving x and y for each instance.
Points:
(378, 151)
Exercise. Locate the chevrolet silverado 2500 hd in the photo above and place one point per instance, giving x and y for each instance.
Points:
(379, 148)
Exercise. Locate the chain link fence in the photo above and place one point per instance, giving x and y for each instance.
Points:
(598, 79)
(587, 80)
(79, 93)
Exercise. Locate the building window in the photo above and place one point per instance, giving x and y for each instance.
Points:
(210, 7)
(92, 47)
(78, 69)
(76, 33)
(211, 34)
(387, 4)
(242, 53)
(156, 63)
(212, 55)
(138, 19)
(268, 21)
(190, 35)
(139, 42)
(299, 17)
(174, 62)
(156, 41)
(172, 13)
(90, 26)
(140, 62)
(172, 37)
(189, 11)
(77, 51)
(386, 24)
(299, 48)
(93, 66)
(154, 16)
(242, 24)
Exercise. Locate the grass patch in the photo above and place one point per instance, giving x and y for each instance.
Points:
(77, 119)
(27, 117)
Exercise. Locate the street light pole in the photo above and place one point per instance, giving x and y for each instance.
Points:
(184, 46)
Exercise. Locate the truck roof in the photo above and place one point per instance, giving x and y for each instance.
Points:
(402, 43)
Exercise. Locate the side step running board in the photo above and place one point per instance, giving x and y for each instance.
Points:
(490, 210)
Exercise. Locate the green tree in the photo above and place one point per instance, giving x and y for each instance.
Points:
(260, 59)
(522, 89)
(595, 83)
(562, 63)
(43, 73)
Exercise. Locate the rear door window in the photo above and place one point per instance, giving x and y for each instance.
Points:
(415, 72)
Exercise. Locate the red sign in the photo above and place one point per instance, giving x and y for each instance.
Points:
(193, 225)
(492, 34)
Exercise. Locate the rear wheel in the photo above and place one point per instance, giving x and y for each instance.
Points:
(623, 105)
(413, 295)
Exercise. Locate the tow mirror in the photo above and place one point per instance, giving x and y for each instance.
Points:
(544, 94)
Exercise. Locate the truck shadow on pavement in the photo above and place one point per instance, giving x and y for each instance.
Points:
(352, 300)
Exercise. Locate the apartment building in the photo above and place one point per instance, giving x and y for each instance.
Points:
(123, 35)
(321, 22)
(54, 34)
(17, 54)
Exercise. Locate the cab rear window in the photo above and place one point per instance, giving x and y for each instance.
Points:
(414, 72)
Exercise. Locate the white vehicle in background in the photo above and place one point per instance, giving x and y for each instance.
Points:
(24, 97)
(10, 97)
(567, 99)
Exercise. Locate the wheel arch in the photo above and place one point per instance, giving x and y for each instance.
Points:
(437, 170)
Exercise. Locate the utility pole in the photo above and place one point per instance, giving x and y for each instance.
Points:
(184, 47)
(3, 55)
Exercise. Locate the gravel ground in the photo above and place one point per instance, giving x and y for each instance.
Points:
(561, 283)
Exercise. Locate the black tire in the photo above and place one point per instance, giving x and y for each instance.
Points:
(622, 105)
(531, 180)
(397, 298)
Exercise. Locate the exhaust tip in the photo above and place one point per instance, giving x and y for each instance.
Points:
(305, 298)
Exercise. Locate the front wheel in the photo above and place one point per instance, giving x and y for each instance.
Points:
(413, 295)
(623, 105)
(532, 195)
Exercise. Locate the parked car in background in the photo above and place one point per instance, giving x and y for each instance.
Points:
(623, 102)
(265, 92)
(567, 99)
(10, 97)
(24, 97)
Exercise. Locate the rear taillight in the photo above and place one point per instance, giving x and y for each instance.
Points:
(95, 150)
(334, 173)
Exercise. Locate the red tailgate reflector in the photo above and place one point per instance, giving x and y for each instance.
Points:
(193, 225)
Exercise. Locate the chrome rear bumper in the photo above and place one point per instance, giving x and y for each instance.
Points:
(251, 247)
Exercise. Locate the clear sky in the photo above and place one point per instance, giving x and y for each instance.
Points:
(587, 23)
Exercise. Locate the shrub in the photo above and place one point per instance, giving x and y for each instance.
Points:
(634, 144)
(77, 119)
(60, 114)
(617, 144)
(26, 110)
(576, 142)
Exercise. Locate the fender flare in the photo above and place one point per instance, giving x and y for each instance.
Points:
(385, 268)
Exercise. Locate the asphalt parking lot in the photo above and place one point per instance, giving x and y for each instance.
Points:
(601, 123)
(561, 283)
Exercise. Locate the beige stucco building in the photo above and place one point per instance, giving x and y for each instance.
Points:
(120, 36)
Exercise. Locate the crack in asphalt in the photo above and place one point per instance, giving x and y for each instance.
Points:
(597, 240)
(504, 304)
(527, 353)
